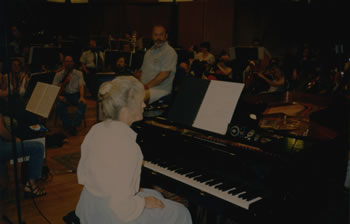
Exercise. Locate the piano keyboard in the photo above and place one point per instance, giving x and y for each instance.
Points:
(235, 195)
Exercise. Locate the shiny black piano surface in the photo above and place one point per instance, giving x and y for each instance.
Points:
(250, 174)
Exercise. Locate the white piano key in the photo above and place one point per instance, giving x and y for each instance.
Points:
(234, 199)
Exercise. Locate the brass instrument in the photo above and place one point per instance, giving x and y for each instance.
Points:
(133, 43)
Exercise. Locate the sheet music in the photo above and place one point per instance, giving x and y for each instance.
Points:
(42, 99)
(36, 96)
(48, 100)
(218, 106)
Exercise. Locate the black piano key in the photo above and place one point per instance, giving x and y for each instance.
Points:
(244, 195)
(168, 165)
(217, 186)
(213, 182)
(210, 182)
(161, 163)
(203, 178)
(154, 160)
(194, 174)
(251, 196)
(224, 186)
(183, 171)
(179, 170)
(237, 190)
(189, 173)
(172, 167)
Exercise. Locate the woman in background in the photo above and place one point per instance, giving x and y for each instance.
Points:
(18, 80)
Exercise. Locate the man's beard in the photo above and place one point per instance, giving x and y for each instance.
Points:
(69, 69)
(159, 43)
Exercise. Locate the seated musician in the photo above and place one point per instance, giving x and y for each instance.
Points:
(158, 67)
(72, 86)
(18, 80)
(35, 151)
(221, 69)
(276, 80)
(121, 68)
(91, 62)
(111, 161)
(204, 54)
(16, 103)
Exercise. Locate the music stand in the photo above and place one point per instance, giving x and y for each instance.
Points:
(46, 77)
(206, 104)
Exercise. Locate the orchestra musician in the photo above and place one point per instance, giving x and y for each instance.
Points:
(91, 62)
(72, 86)
(18, 80)
(16, 102)
(120, 67)
(277, 80)
(253, 83)
(35, 151)
(111, 161)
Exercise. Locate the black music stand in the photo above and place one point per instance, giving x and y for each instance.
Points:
(46, 77)
(193, 105)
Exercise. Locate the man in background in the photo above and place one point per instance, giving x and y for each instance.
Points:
(159, 66)
(72, 86)
(91, 62)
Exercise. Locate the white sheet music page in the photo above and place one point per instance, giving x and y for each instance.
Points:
(218, 105)
(42, 99)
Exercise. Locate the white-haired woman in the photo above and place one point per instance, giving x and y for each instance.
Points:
(110, 165)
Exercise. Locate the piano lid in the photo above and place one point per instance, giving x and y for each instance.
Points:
(300, 114)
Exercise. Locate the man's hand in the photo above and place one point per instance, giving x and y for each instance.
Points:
(82, 100)
(153, 202)
(62, 98)
(66, 80)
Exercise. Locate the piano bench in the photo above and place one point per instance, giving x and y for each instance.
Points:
(71, 218)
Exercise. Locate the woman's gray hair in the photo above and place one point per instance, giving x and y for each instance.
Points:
(122, 91)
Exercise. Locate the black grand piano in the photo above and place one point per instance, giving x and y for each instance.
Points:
(283, 167)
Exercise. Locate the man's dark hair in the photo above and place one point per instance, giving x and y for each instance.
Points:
(160, 25)
(205, 44)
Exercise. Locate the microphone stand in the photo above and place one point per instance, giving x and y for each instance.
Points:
(11, 109)
(11, 104)
(133, 42)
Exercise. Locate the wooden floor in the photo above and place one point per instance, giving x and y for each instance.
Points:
(62, 187)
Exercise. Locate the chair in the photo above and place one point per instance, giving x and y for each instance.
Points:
(71, 218)
(71, 110)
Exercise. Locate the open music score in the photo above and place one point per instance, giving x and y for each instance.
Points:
(42, 99)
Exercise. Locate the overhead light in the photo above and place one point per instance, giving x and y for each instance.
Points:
(175, 1)
(79, 1)
(57, 1)
(71, 1)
